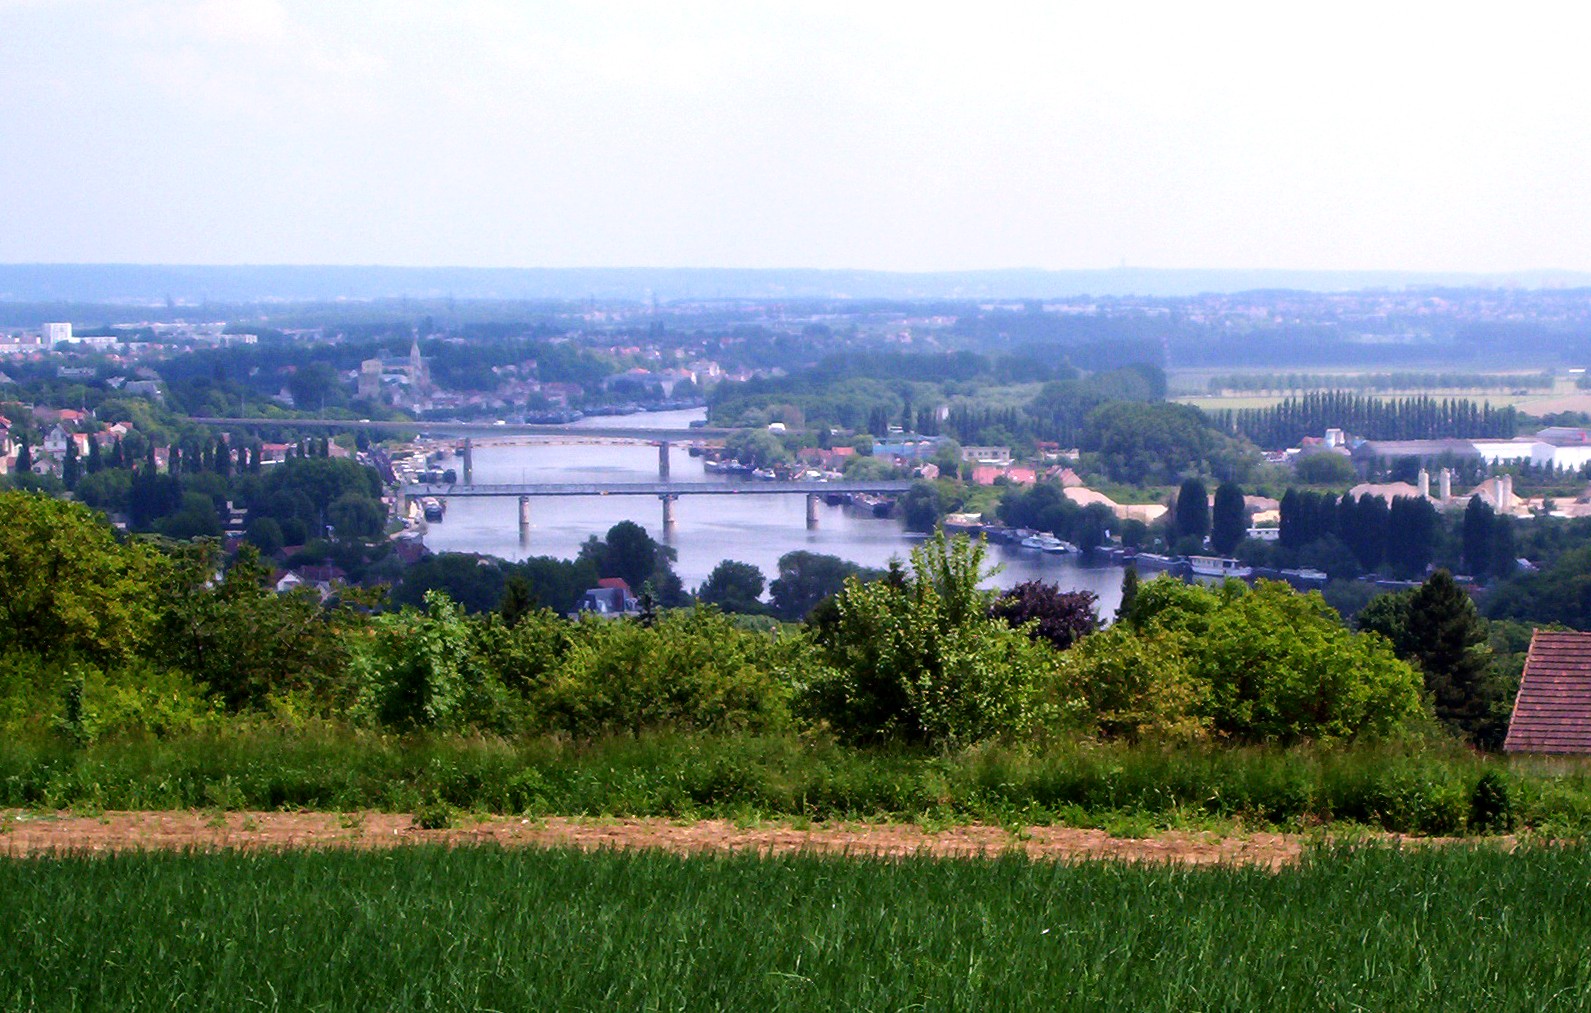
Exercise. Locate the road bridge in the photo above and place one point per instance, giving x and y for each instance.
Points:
(667, 492)
(664, 438)
(618, 430)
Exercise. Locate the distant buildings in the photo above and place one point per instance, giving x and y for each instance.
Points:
(611, 597)
(396, 379)
(986, 455)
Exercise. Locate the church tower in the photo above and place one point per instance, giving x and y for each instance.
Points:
(419, 375)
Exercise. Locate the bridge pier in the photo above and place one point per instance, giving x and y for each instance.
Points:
(812, 510)
(668, 512)
(469, 462)
(524, 520)
(662, 459)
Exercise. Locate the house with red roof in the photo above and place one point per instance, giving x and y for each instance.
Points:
(611, 597)
(987, 474)
(1552, 712)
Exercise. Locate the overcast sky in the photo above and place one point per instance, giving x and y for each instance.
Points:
(859, 134)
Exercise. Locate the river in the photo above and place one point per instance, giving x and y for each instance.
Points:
(750, 528)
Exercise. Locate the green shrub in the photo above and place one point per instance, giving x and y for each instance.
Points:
(67, 587)
(692, 669)
(1122, 684)
(918, 658)
(1491, 810)
(434, 813)
(420, 670)
(1267, 665)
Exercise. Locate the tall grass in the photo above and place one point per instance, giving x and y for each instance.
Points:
(427, 928)
(1426, 789)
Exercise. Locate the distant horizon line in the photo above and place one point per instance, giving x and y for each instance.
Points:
(252, 283)
(1010, 269)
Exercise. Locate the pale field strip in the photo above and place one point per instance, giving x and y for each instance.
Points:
(24, 834)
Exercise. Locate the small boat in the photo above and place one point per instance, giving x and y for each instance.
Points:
(1219, 566)
(1153, 561)
(1307, 574)
(1044, 543)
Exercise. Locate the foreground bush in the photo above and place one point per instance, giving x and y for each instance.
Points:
(692, 669)
(1265, 664)
(920, 658)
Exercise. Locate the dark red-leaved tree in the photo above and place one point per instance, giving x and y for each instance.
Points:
(1063, 617)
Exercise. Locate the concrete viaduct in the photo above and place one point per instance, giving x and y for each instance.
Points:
(664, 438)
(666, 491)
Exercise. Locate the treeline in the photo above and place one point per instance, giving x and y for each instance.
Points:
(872, 392)
(1043, 507)
(1402, 535)
(1413, 418)
(308, 496)
(1060, 411)
(1399, 381)
(857, 391)
(1346, 536)
(106, 637)
(481, 584)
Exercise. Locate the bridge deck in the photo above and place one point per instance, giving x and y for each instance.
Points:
(619, 430)
(658, 489)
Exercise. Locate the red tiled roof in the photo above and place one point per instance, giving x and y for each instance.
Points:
(617, 582)
(1552, 713)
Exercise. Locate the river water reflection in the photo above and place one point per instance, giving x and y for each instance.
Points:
(752, 528)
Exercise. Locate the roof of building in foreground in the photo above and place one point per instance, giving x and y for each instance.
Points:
(1552, 713)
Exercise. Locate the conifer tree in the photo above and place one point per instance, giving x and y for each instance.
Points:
(71, 467)
(1477, 537)
(1192, 518)
(1229, 521)
(1447, 638)
(1129, 595)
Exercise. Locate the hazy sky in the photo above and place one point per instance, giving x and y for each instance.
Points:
(859, 134)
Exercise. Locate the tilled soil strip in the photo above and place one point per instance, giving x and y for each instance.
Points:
(32, 834)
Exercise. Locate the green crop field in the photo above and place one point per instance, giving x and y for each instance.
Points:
(1459, 927)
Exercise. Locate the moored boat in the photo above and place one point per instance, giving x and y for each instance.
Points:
(1154, 561)
(1046, 542)
(1218, 566)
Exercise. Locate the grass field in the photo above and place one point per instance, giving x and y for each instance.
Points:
(1410, 788)
(1457, 928)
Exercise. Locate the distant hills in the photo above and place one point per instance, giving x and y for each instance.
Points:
(188, 284)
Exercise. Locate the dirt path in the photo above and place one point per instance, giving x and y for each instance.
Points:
(31, 833)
